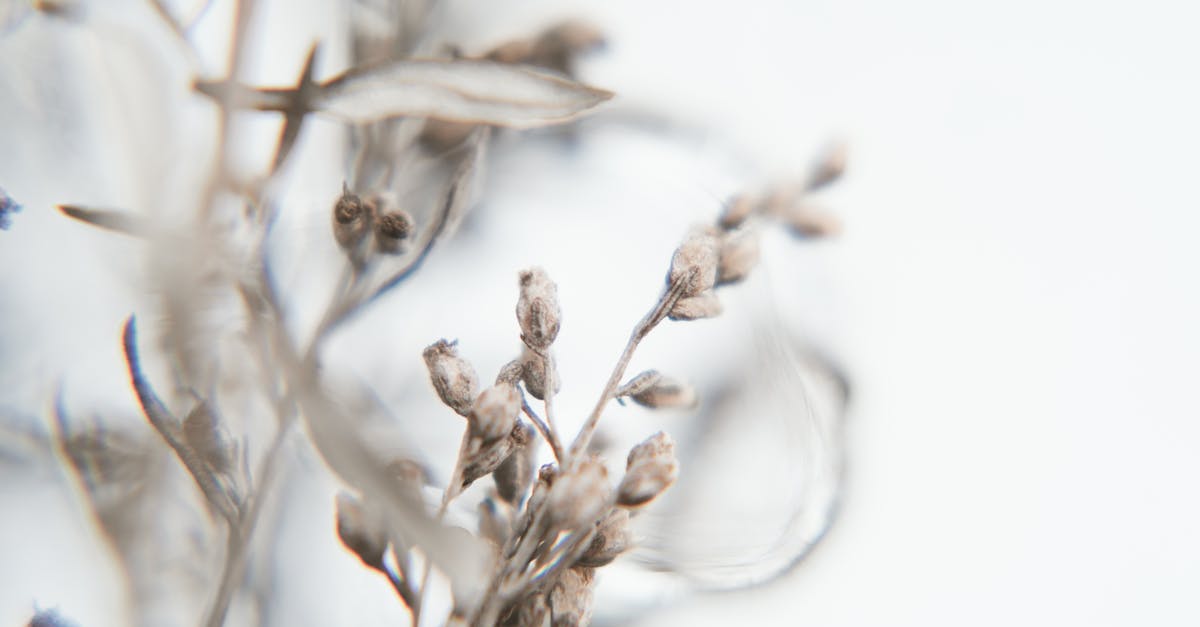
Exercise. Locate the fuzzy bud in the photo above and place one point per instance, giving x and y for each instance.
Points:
(351, 219)
(538, 312)
(533, 373)
(656, 391)
(392, 231)
(705, 305)
(829, 168)
(694, 265)
(579, 495)
(808, 221)
(204, 435)
(613, 537)
(571, 598)
(360, 532)
(737, 211)
(650, 470)
(515, 474)
(452, 376)
(495, 412)
(739, 254)
(487, 457)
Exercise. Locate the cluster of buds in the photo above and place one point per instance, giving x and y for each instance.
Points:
(649, 471)
(355, 218)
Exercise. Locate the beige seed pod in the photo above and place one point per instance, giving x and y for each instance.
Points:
(650, 470)
(579, 495)
(486, 457)
(205, 435)
(495, 412)
(571, 598)
(533, 373)
(829, 167)
(613, 537)
(352, 219)
(694, 264)
(392, 232)
(739, 254)
(515, 474)
(510, 372)
(452, 376)
(360, 531)
(657, 391)
(538, 313)
(809, 221)
(705, 305)
(737, 211)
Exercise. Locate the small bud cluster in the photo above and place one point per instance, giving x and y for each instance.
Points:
(355, 217)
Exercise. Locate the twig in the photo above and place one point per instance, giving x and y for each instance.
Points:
(548, 435)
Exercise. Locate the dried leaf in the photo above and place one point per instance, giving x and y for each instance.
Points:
(461, 90)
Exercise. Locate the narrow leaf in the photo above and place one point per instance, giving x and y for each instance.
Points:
(461, 90)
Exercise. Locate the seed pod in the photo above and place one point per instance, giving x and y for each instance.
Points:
(538, 313)
(485, 457)
(515, 474)
(208, 438)
(829, 168)
(360, 532)
(571, 598)
(705, 305)
(737, 210)
(613, 537)
(533, 373)
(510, 373)
(640, 383)
(351, 219)
(661, 392)
(580, 495)
(392, 231)
(694, 265)
(739, 254)
(452, 376)
(495, 412)
(808, 221)
(650, 470)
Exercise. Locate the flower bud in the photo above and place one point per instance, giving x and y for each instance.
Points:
(579, 495)
(571, 597)
(495, 412)
(694, 265)
(486, 457)
(392, 231)
(705, 305)
(829, 168)
(656, 391)
(533, 373)
(452, 376)
(808, 221)
(739, 254)
(204, 435)
(737, 210)
(515, 474)
(359, 531)
(351, 219)
(538, 313)
(650, 470)
(613, 537)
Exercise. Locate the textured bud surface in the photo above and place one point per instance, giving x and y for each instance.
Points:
(650, 470)
(694, 265)
(538, 312)
(705, 305)
(579, 496)
(495, 412)
(452, 376)
(739, 255)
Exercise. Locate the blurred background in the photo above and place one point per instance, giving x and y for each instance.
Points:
(1014, 296)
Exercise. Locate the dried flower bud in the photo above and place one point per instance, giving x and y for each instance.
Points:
(580, 494)
(829, 168)
(545, 480)
(361, 532)
(510, 373)
(515, 474)
(656, 391)
(694, 265)
(208, 438)
(537, 309)
(351, 219)
(808, 221)
(452, 376)
(705, 305)
(737, 210)
(495, 412)
(486, 457)
(392, 231)
(613, 537)
(650, 470)
(571, 598)
(533, 373)
(739, 254)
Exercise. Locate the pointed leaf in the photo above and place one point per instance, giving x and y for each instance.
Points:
(460, 90)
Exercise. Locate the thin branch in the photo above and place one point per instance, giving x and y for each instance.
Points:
(549, 436)
(169, 428)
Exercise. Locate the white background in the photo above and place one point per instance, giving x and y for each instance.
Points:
(1015, 295)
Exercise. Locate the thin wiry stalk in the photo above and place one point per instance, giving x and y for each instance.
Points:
(550, 436)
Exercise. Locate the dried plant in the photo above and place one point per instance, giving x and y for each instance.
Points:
(543, 529)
